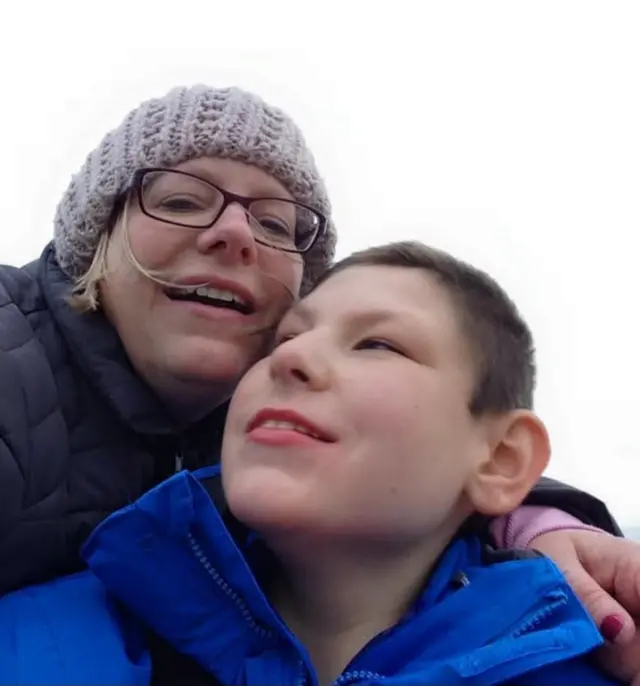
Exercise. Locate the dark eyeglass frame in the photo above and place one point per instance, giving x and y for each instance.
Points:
(228, 198)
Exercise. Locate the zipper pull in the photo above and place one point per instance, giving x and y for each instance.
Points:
(179, 462)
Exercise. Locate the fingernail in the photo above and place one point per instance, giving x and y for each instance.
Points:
(611, 627)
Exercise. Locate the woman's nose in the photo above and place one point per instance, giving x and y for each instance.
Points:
(231, 236)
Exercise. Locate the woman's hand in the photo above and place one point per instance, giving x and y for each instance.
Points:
(604, 571)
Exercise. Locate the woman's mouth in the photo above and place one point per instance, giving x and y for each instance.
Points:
(214, 297)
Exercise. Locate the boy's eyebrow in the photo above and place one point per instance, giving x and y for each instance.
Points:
(369, 317)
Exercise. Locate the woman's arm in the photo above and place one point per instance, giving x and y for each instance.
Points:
(552, 506)
(585, 507)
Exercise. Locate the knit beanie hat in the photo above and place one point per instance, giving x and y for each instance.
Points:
(184, 124)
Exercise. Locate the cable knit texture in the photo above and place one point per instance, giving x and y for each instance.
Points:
(185, 124)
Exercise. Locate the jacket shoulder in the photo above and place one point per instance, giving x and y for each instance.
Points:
(50, 621)
(31, 435)
(22, 305)
(21, 357)
(19, 286)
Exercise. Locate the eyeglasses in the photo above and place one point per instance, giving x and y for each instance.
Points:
(186, 200)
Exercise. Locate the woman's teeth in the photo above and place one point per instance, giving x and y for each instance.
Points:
(217, 297)
(218, 294)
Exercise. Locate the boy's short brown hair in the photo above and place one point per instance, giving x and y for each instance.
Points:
(500, 339)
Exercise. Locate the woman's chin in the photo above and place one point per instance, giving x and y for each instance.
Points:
(214, 362)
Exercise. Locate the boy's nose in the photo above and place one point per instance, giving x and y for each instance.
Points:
(299, 361)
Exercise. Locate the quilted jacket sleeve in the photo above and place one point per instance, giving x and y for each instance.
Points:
(33, 440)
(13, 420)
(11, 487)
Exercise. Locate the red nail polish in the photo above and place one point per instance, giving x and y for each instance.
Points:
(611, 627)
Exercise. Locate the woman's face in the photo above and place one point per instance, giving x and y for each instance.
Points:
(192, 348)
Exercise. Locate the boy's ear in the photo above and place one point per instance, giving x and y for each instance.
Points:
(518, 453)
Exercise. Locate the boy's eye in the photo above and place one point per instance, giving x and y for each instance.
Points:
(378, 344)
(280, 339)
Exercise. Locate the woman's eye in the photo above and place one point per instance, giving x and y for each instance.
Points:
(275, 225)
(180, 204)
(378, 344)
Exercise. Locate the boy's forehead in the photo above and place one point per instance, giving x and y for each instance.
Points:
(378, 291)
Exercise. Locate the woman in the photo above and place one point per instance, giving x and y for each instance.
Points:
(121, 345)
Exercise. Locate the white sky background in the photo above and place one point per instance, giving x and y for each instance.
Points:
(506, 132)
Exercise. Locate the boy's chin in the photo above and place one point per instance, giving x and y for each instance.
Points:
(271, 511)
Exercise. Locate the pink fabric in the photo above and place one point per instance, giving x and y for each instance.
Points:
(518, 529)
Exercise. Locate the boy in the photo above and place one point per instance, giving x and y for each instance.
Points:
(395, 407)
(394, 410)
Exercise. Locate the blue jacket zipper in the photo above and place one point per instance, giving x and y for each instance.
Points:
(558, 599)
(354, 677)
(226, 589)
(306, 671)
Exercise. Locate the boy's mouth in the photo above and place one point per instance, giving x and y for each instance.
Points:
(289, 420)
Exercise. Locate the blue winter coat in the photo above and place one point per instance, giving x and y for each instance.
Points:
(170, 560)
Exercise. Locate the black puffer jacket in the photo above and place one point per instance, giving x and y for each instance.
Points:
(81, 435)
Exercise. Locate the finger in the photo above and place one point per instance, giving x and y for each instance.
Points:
(610, 616)
(615, 564)
(623, 662)
(614, 622)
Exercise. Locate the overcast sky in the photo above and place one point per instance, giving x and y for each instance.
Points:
(505, 132)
